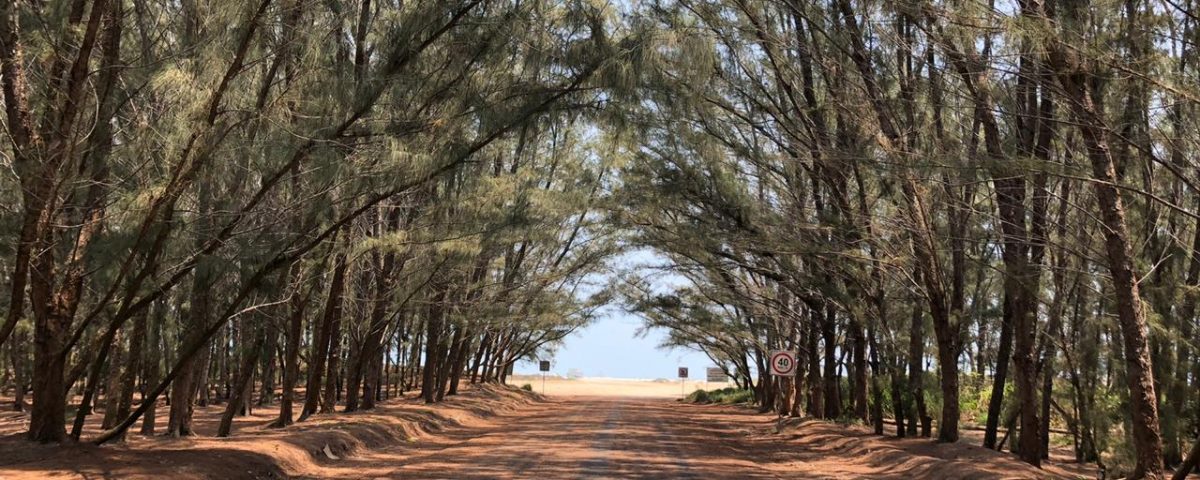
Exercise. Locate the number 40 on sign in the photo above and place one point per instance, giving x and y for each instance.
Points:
(783, 363)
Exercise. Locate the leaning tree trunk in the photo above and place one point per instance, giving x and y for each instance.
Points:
(245, 373)
(322, 338)
(291, 352)
(1189, 463)
(1075, 79)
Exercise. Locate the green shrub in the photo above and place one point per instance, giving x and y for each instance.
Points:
(699, 396)
(735, 396)
(527, 387)
(725, 396)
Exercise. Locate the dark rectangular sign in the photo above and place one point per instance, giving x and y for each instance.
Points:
(544, 365)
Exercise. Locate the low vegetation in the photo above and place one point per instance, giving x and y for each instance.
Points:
(724, 396)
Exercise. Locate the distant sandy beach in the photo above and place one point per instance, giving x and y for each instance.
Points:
(613, 387)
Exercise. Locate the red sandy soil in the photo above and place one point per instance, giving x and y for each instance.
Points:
(503, 433)
(254, 451)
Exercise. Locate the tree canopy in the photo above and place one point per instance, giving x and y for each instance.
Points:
(957, 213)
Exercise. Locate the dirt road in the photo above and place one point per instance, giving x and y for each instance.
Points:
(496, 432)
(569, 437)
(600, 437)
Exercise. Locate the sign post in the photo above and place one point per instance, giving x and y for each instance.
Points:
(544, 366)
(683, 375)
(783, 365)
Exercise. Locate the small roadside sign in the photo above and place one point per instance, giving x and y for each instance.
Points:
(716, 375)
(683, 372)
(544, 366)
(783, 363)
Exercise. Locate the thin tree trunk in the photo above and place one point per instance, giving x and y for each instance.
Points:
(151, 366)
(832, 383)
(916, 373)
(1147, 441)
(860, 371)
(322, 338)
(433, 329)
(245, 375)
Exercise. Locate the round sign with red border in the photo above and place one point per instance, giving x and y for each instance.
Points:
(783, 363)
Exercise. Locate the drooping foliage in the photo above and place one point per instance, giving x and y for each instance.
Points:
(955, 213)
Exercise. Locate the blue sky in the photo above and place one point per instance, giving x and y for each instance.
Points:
(611, 347)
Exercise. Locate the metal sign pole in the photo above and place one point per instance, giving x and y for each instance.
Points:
(779, 396)
(683, 376)
(544, 366)
(783, 365)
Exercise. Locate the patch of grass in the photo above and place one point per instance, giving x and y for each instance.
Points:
(527, 387)
(724, 396)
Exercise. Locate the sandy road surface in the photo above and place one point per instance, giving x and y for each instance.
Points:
(599, 437)
(581, 431)
(574, 436)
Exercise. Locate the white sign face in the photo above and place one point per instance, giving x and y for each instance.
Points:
(783, 363)
(716, 375)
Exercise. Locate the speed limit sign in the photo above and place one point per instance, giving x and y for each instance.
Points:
(783, 363)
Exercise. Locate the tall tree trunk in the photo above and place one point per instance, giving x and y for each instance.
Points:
(47, 420)
(816, 394)
(333, 375)
(245, 375)
(916, 373)
(112, 395)
(323, 339)
(291, 350)
(1076, 79)
(459, 363)
(876, 383)
(999, 377)
(16, 352)
(267, 396)
(195, 372)
(833, 403)
(433, 335)
(860, 370)
(151, 364)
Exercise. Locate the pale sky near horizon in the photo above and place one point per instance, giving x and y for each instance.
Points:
(610, 346)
